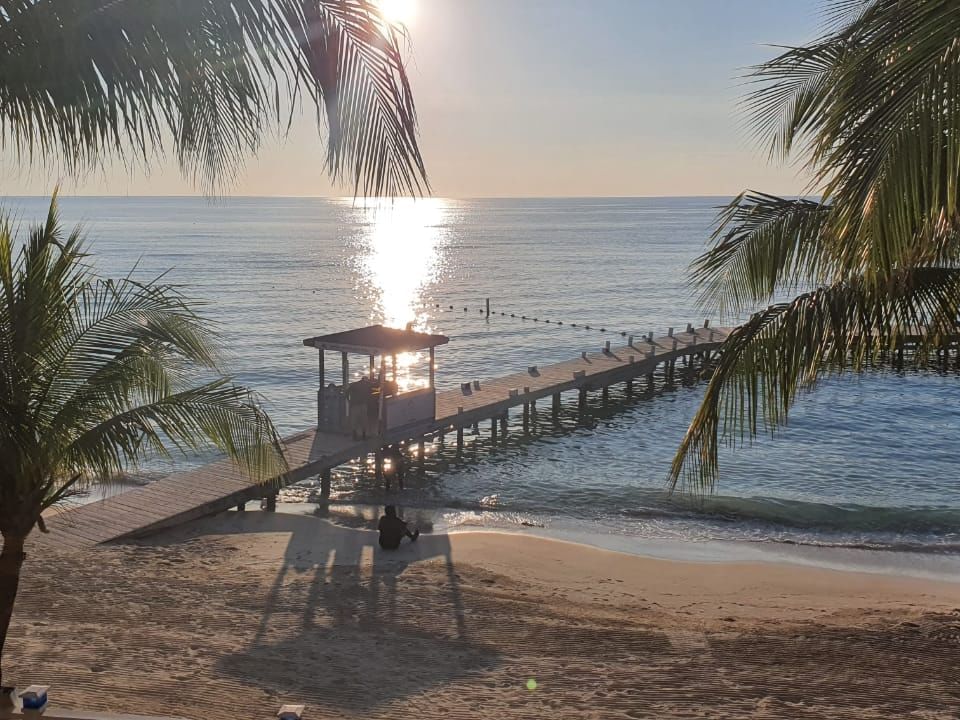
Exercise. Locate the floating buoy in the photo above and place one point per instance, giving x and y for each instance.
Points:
(573, 324)
(559, 322)
(623, 334)
(512, 315)
(586, 327)
(603, 329)
(451, 307)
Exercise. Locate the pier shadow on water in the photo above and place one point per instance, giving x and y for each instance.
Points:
(338, 628)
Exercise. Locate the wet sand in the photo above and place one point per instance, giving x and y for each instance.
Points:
(232, 616)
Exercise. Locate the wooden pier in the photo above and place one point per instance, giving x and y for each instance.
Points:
(219, 486)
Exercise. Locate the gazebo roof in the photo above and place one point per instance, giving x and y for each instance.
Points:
(376, 340)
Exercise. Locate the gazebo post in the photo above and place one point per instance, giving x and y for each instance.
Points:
(393, 365)
(381, 420)
(371, 367)
(322, 375)
(346, 369)
(432, 365)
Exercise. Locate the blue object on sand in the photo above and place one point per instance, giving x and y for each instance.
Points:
(34, 697)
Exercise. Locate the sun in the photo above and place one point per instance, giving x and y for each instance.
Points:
(398, 12)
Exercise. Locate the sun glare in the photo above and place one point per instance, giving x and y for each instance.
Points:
(398, 12)
(401, 247)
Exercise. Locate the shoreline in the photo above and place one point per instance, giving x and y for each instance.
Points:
(893, 562)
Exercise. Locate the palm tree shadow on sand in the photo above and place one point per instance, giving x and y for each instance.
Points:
(340, 628)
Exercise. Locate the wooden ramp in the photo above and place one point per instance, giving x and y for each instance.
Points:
(219, 486)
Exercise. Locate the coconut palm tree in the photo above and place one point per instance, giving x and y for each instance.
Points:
(89, 80)
(96, 375)
(872, 109)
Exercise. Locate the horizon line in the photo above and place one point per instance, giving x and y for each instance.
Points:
(377, 197)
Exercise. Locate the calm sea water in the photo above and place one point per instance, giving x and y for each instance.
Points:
(869, 461)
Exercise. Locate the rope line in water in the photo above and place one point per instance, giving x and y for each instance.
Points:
(580, 326)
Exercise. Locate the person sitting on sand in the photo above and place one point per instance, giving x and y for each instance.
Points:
(392, 529)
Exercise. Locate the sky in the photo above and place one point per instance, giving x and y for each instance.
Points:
(546, 98)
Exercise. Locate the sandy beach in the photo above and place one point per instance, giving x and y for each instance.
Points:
(231, 616)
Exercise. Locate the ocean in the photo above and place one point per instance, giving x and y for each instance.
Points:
(866, 462)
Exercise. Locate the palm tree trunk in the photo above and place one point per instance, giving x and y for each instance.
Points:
(11, 560)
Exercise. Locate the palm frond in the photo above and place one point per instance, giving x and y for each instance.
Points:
(792, 90)
(787, 347)
(88, 80)
(762, 243)
(217, 414)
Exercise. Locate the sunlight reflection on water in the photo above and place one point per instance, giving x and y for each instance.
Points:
(399, 254)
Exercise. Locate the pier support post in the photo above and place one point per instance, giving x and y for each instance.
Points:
(556, 405)
(651, 383)
(582, 398)
(630, 387)
(421, 453)
(378, 467)
(503, 423)
(460, 440)
(325, 484)
(526, 418)
(269, 503)
(605, 394)
(493, 429)
(241, 507)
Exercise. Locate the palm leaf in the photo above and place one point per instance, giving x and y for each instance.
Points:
(88, 80)
(764, 363)
(762, 244)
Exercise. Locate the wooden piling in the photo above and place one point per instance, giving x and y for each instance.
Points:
(325, 484)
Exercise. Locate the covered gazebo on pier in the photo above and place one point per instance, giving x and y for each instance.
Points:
(373, 405)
